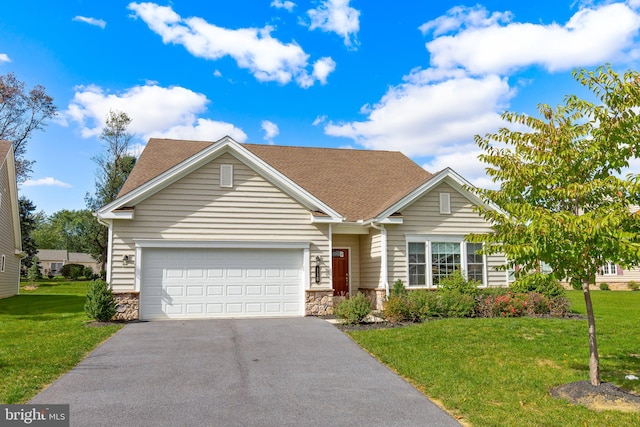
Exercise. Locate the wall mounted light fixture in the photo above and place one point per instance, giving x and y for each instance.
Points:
(317, 271)
(125, 260)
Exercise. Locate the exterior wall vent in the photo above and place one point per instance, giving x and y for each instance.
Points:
(445, 203)
(226, 176)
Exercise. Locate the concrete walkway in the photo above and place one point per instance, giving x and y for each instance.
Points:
(263, 372)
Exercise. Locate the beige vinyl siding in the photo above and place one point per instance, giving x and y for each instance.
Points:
(197, 208)
(351, 242)
(370, 259)
(626, 276)
(423, 217)
(9, 279)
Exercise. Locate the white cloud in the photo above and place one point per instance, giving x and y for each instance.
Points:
(4, 57)
(435, 113)
(464, 160)
(338, 17)
(217, 73)
(322, 68)
(252, 48)
(280, 4)
(91, 21)
(423, 117)
(319, 120)
(45, 182)
(155, 111)
(482, 45)
(270, 129)
(460, 17)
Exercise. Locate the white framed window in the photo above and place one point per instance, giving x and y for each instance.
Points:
(417, 264)
(226, 176)
(431, 258)
(609, 269)
(445, 203)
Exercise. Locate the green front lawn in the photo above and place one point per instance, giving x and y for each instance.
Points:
(498, 372)
(43, 334)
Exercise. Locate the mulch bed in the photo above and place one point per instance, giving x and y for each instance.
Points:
(606, 396)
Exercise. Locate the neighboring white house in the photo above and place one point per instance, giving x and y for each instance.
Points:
(10, 237)
(222, 229)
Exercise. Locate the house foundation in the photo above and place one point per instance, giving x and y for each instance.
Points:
(318, 302)
(127, 306)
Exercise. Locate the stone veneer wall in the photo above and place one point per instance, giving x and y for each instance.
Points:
(126, 305)
(376, 296)
(318, 303)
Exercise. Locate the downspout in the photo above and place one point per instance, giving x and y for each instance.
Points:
(384, 271)
(107, 262)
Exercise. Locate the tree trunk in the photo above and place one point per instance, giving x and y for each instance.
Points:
(594, 360)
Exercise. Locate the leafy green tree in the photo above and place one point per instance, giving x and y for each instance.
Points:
(65, 229)
(28, 222)
(562, 198)
(114, 167)
(34, 273)
(21, 113)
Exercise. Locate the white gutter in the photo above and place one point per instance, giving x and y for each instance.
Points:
(384, 270)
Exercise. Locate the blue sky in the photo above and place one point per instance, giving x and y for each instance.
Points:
(414, 76)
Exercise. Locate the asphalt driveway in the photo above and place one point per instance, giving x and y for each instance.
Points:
(264, 372)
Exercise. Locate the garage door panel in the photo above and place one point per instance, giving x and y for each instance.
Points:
(215, 273)
(199, 283)
(215, 290)
(175, 291)
(174, 273)
(195, 290)
(273, 290)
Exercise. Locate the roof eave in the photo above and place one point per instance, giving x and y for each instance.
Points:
(458, 182)
(15, 204)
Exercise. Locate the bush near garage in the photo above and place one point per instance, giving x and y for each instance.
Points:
(353, 309)
(100, 304)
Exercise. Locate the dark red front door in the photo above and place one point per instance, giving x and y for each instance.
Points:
(340, 267)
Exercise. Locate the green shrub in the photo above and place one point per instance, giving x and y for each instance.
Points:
(456, 304)
(396, 309)
(353, 309)
(545, 284)
(423, 304)
(457, 296)
(87, 273)
(633, 285)
(100, 304)
(72, 271)
(604, 286)
(398, 289)
(34, 273)
(456, 282)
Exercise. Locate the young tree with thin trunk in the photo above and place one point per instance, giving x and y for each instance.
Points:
(562, 198)
(114, 167)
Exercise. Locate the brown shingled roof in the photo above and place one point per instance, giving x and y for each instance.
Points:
(359, 184)
(159, 156)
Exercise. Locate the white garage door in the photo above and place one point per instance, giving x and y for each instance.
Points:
(206, 283)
